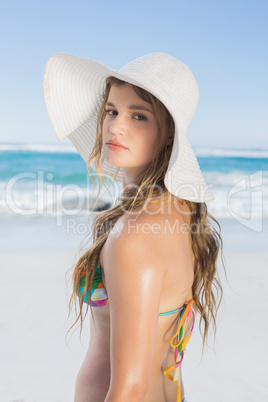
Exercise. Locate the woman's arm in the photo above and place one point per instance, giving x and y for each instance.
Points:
(134, 271)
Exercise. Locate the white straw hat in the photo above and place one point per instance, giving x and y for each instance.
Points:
(73, 90)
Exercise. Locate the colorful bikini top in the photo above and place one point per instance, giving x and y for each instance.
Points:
(99, 298)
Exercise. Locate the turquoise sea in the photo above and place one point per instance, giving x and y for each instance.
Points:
(45, 186)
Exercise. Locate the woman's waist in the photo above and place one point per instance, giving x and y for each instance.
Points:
(99, 352)
(95, 374)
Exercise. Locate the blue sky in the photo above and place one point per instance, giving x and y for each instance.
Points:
(224, 43)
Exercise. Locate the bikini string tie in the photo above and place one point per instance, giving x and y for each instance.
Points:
(180, 344)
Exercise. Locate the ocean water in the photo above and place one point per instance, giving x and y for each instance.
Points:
(50, 183)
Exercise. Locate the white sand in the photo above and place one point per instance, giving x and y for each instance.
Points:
(236, 369)
(38, 366)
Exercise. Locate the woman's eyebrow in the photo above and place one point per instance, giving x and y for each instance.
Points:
(135, 107)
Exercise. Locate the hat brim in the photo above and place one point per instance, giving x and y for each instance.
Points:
(73, 91)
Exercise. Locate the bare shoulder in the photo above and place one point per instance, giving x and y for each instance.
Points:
(153, 235)
(161, 219)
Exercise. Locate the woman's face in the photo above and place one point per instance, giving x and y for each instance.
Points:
(130, 121)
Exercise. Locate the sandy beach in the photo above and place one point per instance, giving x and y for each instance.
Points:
(39, 365)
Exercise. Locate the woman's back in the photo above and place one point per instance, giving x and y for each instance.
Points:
(168, 228)
(169, 225)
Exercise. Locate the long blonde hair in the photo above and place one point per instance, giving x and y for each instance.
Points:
(206, 240)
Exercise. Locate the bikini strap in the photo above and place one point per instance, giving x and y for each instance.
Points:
(179, 346)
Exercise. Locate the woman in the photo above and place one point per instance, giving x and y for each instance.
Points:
(152, 261)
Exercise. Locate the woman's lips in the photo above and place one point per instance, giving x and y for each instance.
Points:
(114, 147)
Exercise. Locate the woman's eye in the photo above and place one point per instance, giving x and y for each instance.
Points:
(140, 117)
(110, 112)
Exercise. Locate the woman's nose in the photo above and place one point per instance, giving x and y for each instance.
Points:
(118, 125)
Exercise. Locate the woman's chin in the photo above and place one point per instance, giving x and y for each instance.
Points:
(113, 160)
